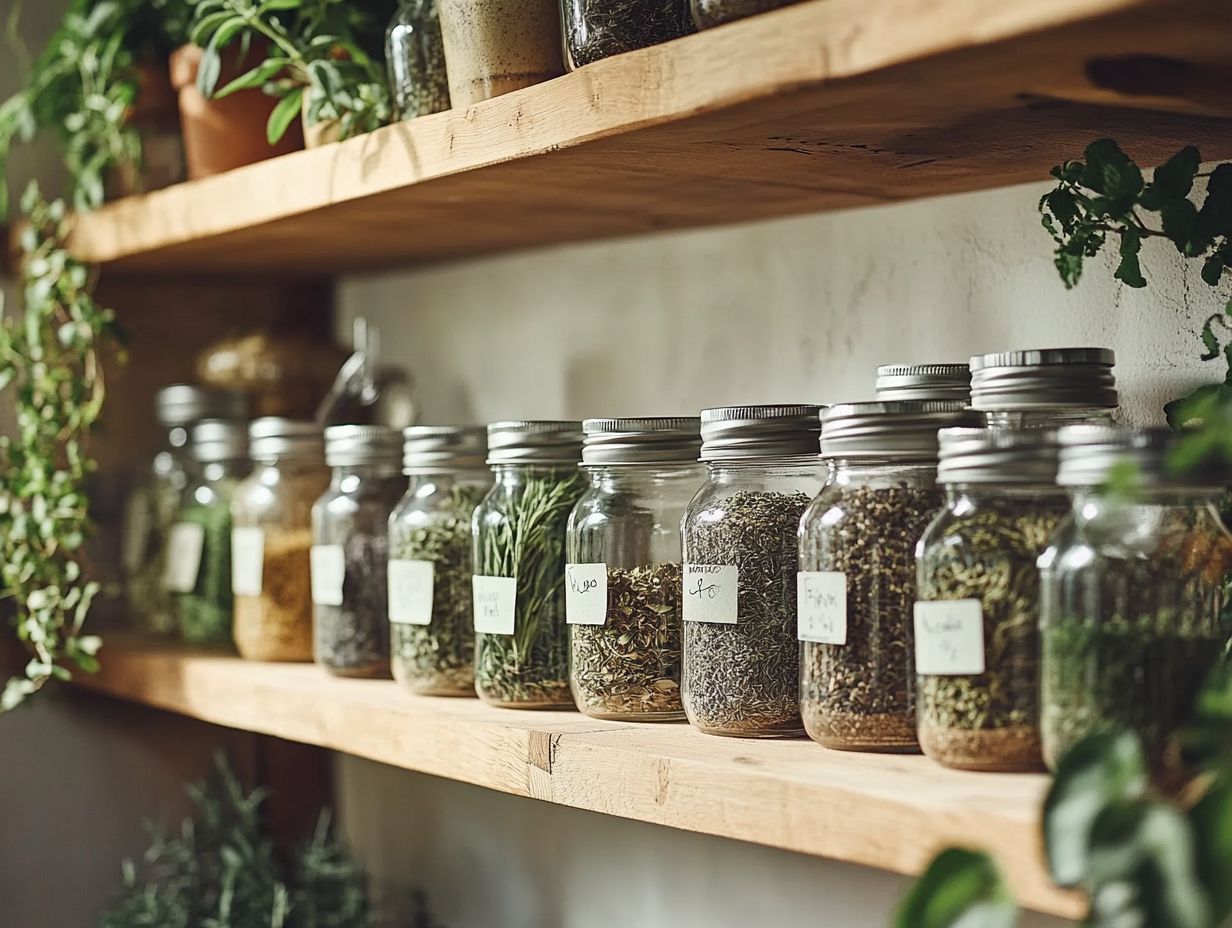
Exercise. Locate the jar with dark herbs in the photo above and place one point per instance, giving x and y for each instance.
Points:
(1044, 388)
(857, 583)
(432, 637)
(708, 13)
(977, 641)
(350, 551)
(1132, 590)
(521, 639)
(623, 578)
(596, 29)
(741, 669)
(415, 57)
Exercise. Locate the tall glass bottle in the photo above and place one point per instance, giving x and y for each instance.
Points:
(415, 56)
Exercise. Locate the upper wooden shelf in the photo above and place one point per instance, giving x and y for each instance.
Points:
(892, 812)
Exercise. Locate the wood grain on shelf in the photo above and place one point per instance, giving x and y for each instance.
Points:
(884, 811)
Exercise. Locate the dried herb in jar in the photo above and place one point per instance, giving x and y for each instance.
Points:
(276, 624)
(353, 639)
(596, 29)
(204, 613)
(415, 56)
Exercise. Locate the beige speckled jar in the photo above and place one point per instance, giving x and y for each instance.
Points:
(495, 46)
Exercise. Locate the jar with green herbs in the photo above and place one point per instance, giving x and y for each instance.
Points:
(350, 550)
(741, 673)
(415, 57)
(623, 578)
(1132, 590)
(857, 582)
(432, 636)
(521, 639)
(977, 647)
(708, 13)
(596, 29)
(1044, 388)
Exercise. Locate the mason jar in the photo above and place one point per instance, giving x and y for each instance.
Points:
(1044, 388)
(350, 550)
(1131, 590)
(708, 13)
(271, 540)
(943, 382)
(623, 577)
(415, 58)
(432, 635)
(977, 618)
(741, 673)
(596, 29)
(521, 639)
(857, 582)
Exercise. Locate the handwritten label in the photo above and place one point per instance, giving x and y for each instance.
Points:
(410, 592)
(586, 594)
(247, 556)
(495, 601)
(949, 638)
(821, 606)
(184, 547)
(710, 593)
(328, 572)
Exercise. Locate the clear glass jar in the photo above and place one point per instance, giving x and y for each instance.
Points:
(1044, 388)
(596, 29)
(271, 540)
(415, 56)
(708, 13)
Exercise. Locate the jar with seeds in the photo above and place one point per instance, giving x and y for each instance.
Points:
(977, 619)
(596, 29)
(432, 637)
(1132, 590)
(708, 13)
(944, 382)
(1044, 388)
(741, 673)
(857, 583)
(521, 639)
(415, 57)
(623, 579)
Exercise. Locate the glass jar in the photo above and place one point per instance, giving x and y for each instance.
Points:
(1044, 388)
(432, 635)
(857, 582)
(944, 382)
(623, 579)
(521, 640)
(350, 550)
(741, 673)
(498, 46)
(271, 540)
(707, 13)
(977, 618)
(596, 29)
(415, 56)
(1132, 590)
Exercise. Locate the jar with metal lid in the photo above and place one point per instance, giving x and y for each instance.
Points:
(430, 610)
(596, 29)
(977, 617)
(741, 672)
(198, 566)
(1044, 388)
(857, 582)
(917, 382)
(350, 550)
(271, 540)
(415, 57)
(1131, 589)
(708, 13)
(623, 578)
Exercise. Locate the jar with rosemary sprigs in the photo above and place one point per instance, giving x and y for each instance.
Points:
(708, 13)
(432, 637)
(623, 578)
(741, 673)
(521, 639)
(977, 647)
(1044, 388)
(596, 29)
(946, 381)
(857, 583)
(1131, 591)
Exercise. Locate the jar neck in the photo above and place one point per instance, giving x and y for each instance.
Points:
(804, 465)
(1012, 491)
(370, 471)
(878, 467)
(634, 476)
(1045, 417)
(451, 477)
(515, 473)
(291, 463)
(212, 471)
(1186, 497)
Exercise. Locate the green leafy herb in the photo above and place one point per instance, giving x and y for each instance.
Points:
(959, 888)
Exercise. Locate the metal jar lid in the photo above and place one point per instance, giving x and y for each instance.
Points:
(904, 431)
(216, 440)
(1048, 378)
(1090, 452)
(273, 437)
(183, 404)
(1019, 457)
(544, 441)
(658, 440)
(901, 382)
(433, 448)
(748, 433)
(352, 445)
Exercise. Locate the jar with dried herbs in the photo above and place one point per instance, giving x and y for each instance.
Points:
(708, 13)
(432, 637)
(415, 57)
(623, 579)
(596, 29)
(1044, 388)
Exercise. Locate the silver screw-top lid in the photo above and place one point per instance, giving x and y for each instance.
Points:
(354, 445)
(541, 441)
(905, 431)
(1048, 378)
(432, 448)
(216, 440)
(744, 433)
(183, 404)
(273, 437)
(1023, 457)
(658, 440)
(1090, 452)
(909, 382)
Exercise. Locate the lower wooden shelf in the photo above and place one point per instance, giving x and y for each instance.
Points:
(883, 811)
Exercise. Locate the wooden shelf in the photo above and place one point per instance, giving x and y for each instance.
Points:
(879, 810)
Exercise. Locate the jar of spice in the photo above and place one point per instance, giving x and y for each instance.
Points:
(498, 46)
(430, 610)
(1046, 388)
(623, 579)
(350, 552)
(977, 618)
(521, 640)
(271, 540)
(857, 583)
(1132, 590)
(913, 382)
(415, 56)
(596, 29)
(741, 658)
(707, 13)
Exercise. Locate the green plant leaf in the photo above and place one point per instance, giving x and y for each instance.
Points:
(960, 889)
(1212, 270)
(1210, 821)
(1175, 177)
(1129, 270)
(254, 78)
(286, 112)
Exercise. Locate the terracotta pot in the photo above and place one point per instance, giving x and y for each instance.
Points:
(156, 118)
(223, 134)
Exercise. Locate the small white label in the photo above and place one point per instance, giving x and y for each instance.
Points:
(586, 594)
(410, 592)
(247, 557)
(495, 601)
(821, 605)
(328, 572)
(710, 593)
(949, 638)
(183, 557)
